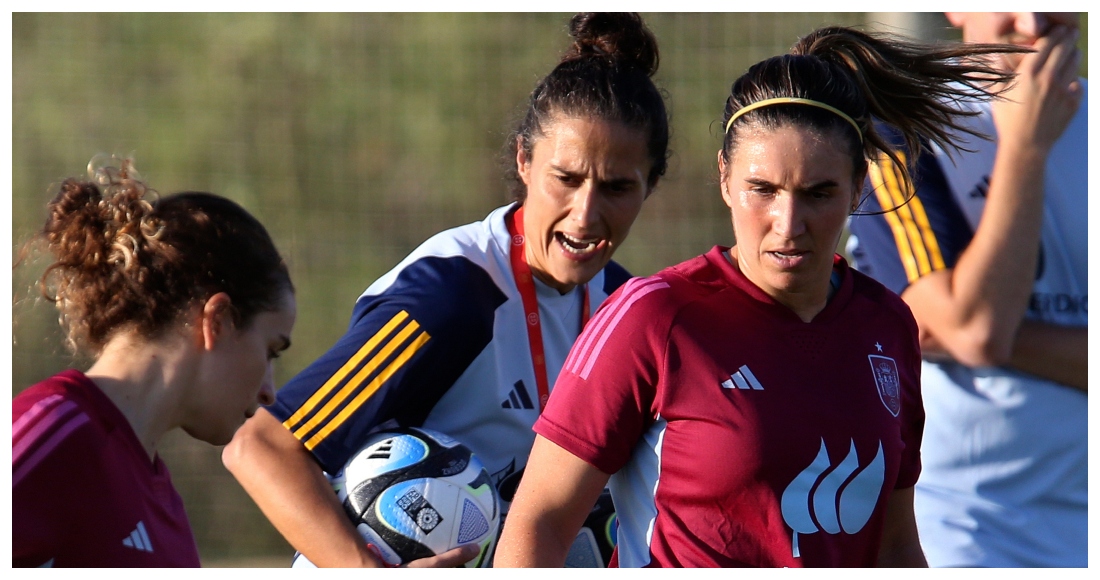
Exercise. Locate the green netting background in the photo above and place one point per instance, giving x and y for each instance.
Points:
(354, 137)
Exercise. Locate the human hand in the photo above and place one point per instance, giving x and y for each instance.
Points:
(1039, 106)
(449, 559)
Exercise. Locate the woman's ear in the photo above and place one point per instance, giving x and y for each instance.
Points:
(217, 319)
(722, 179)
(523, 164)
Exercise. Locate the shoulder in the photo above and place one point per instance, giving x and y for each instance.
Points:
(481, 244)
(41, 401)
(437, 277)
(657, 299)
(458, 271)
(52, 419)
(696, 279)
(614, 276)
(882, 298)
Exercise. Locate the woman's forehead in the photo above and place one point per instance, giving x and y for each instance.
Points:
(804, 151)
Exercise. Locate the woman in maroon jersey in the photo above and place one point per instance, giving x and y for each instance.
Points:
(183, 302)
(759, 405)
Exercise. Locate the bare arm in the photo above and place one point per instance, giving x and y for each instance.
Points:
(900, 546)
(557, 492)
(291, 490)
(1056, 353)
(975, 310)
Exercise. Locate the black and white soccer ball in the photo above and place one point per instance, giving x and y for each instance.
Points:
(414, 493)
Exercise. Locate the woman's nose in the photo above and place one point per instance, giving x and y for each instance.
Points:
(787, 216)
(585, 205)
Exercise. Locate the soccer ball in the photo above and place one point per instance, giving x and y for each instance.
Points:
(414, 493)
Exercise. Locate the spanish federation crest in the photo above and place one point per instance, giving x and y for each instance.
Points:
(887, 381)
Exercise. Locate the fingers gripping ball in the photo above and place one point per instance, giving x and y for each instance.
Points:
(414, 493)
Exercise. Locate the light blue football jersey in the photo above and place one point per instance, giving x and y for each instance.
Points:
(440, 341)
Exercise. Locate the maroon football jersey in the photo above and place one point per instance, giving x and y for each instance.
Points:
(84, 491)
(739, 435)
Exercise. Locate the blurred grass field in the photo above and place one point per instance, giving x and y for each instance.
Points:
(353, 137)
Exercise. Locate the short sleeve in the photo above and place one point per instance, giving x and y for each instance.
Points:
(897, 238)
(604, 398)
(52, 441)
(912, 410)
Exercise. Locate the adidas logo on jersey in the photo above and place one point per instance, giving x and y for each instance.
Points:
(138, 539)
(742, 379)
(518, 398)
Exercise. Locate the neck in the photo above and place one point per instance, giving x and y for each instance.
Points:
(562, 287)
(143, 379)
(806, 304)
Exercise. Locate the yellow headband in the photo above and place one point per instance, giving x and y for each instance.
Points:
(793, 100)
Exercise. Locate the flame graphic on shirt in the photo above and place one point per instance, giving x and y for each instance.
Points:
(840, 499)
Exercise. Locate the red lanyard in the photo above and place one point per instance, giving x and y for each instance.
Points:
(526, 285)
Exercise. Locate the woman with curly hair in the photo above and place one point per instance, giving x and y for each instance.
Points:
(184, 303)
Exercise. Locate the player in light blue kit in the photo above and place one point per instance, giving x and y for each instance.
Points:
(991, 255)
(467, 334)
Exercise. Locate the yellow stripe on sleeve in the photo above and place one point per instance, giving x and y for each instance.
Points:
(369, 390)
(927, 235)
(917, 245)
(349, 366)
(896, 187)
(901, 239)
(353, 384)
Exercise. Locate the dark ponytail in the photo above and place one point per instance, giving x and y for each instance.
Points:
(913, 87)
(605, 74)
